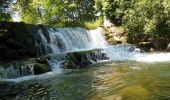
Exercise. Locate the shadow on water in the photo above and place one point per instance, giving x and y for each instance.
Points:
(74, 85)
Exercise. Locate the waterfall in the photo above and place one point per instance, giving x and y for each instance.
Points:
(97, 38)
(71, 39)
(62, 44)
(77, 45)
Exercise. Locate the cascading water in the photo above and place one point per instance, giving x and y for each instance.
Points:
(97, 38)
(121, 52)
(61, 42)
(17, 71)
(72, 39)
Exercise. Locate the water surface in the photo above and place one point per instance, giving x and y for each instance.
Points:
(121, 80)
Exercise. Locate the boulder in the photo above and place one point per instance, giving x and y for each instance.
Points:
(20, 38)
(42, 60)
(81, 59)
(41, 68)
(69, 64)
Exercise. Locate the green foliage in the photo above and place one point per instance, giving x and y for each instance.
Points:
(5, 17)
(56, 12)
(139, 17)
(93, 24)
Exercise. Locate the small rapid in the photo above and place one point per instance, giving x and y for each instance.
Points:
(131, 53)
(151, 57)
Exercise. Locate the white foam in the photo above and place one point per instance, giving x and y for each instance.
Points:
(32, 77)
(152, 57)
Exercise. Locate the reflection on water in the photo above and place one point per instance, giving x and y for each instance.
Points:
(109, 81)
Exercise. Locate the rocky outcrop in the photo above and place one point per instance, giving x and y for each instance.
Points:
(33, 66)
(79, 59)
(115, 35)
(41, 65)
(16, 41)
(19, 40)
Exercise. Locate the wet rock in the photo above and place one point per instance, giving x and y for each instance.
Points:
(4, 35)
(18, 39)
(42, 60)
(14, 44)
(168, 48)
(41, 68)
(81, 59)
(69, 64)
(8, 55)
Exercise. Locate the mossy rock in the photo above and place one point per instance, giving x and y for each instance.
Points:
(111, 41)
(79, 58)
(83, 58)
(41, 68)
(42, 60)
(69, 64)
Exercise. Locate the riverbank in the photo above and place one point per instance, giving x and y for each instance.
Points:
(146, 43)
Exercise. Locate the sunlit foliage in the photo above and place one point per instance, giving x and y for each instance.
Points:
(56, 12)
(138, 17)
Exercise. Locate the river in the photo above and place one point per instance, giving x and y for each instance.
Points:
(121, 80)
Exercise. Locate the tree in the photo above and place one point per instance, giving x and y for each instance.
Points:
(139, 17)
(4, 10)
(56, 12)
